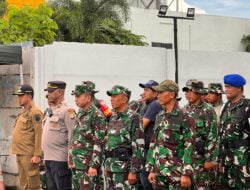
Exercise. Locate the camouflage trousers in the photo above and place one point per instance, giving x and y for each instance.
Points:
(235, 177)
(164, 183)
(118, 181)
(81, 181)
(43, 180)
(43, 183)
(202, 179)
(42, 175)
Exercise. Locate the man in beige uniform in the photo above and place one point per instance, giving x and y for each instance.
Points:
(26, 142)
(57, 131)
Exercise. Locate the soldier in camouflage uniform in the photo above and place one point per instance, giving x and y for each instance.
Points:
(205, 153)
(87, 141)
(137, 105)
(234, 136)
(100, 104)
(214, 97)
(125, 143)
(204, 96)
(169, 158)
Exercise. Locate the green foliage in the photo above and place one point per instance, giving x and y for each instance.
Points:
(67, 15)
(93, 21)
(95, 11)
(111, 32)
(246, 41)
(28, 24)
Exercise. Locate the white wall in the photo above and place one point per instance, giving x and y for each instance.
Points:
(205, 33)
(106, 65)
(209, 67)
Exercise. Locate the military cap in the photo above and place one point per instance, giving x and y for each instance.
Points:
(194, 85)
(91, 85)
(167, 85)
(83, 88)
(53, 85)
(215, 88)
(149, 84)
(189, 85)
(117, 89)
(205, 91)
(234, 80)
(24, 89)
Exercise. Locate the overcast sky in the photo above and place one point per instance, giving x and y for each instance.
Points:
(233, 8)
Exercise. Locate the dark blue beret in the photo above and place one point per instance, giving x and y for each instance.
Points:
(234, 80)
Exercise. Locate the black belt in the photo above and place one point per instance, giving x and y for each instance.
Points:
(118, 152)
(111, 154)
(236, 143)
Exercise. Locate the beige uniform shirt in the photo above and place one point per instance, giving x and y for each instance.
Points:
(57, 132)
(26, 138)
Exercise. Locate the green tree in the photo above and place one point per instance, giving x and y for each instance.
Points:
(112, 32)
(246, 41)
(28, 24)
(94, 21)
(67, 15)
(95, 11)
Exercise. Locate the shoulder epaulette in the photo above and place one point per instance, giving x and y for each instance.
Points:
(71, 113)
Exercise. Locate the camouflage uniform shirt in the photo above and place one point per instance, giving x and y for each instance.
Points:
(88, 139)
(125, 130)
(205, 119)
(137, 106)
(234, 143)
(205, 139)
(170, 148)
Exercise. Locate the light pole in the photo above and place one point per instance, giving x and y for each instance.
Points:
(190, 16)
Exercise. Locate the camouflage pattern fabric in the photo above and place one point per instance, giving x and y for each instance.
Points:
(163, 183)
(81, 180)
(137, 106)
(170, 151)
(87, 146)
(124, 131)
(234, 143)
(204, 142)
(117, 89)
(117, 181)
(43, 183)
(215, 88)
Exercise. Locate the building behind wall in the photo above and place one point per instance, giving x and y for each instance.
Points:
(205, 33)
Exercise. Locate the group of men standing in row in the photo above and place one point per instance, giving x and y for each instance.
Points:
(153, 139)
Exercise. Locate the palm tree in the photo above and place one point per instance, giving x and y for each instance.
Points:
(67, 15)
(95, 11)
(94, 21)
